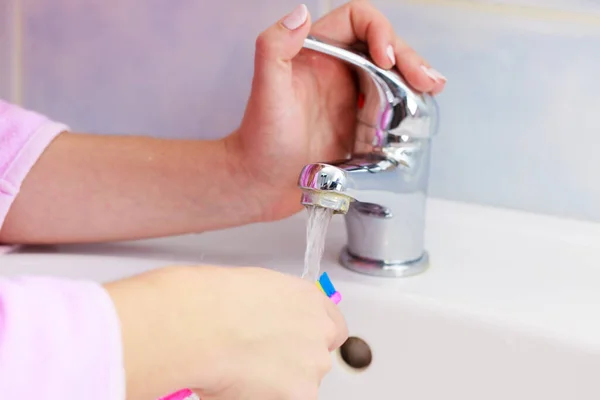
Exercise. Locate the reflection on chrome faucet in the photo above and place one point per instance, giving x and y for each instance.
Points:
(382, 188)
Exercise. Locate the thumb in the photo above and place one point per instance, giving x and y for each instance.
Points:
(280, 43)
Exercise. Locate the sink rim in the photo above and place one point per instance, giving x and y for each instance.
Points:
(540, 272)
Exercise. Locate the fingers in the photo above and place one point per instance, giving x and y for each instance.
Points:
(306, 391)
(308, 388)
(358, 20)
(339, 329)
(280, 43)
(437, 77)
(416, 70)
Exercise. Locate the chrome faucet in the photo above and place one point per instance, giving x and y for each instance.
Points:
(382, 188)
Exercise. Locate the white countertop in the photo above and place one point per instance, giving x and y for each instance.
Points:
(534, 272)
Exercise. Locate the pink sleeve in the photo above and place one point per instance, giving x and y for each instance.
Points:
(24, 135)
(59, 340)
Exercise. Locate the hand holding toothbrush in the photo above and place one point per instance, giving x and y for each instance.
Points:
(228, 333)
(323, 283)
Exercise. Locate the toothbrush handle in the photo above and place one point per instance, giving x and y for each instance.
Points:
(185, 394)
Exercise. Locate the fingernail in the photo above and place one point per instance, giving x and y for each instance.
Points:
(433, 74)
(296, 18)
(391, 55)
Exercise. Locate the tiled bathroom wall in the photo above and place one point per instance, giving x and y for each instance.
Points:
(518, 117)
(163, 67)
(518, 122)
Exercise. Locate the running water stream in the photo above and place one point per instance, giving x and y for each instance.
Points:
(316, 231)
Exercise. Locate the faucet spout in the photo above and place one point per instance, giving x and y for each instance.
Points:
(383, 203)
(382, 188)
(324, 186)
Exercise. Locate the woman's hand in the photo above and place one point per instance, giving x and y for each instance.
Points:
(90, 188)
(229, 333)
(302, 105)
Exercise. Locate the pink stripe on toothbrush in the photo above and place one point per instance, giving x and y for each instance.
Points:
(185, 394)
(336, 297)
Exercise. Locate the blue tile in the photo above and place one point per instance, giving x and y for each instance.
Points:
(179, 68)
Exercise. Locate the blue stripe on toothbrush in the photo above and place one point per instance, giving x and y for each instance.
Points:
(326, 284)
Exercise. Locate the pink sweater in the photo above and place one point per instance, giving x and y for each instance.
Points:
(59, 339)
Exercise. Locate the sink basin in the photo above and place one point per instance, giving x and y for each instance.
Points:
(509, 309)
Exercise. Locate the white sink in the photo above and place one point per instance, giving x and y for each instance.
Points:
(510, 308)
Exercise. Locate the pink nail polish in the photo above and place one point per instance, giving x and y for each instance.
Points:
(296, 18)
(391, 55)
(433, 74)
(438, 74)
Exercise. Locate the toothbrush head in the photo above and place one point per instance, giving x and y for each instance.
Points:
(324, 283)
(336, 297)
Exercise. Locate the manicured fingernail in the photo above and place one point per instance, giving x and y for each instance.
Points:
(433, 74)
(391, 55)
(296, 18)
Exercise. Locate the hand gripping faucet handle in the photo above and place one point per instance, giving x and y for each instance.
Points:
(381, 188)
(324, 283)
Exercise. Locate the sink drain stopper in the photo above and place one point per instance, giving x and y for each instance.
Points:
(356, 353)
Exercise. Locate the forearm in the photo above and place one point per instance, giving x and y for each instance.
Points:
(102, 188)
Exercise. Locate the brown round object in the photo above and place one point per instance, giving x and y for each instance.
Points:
(356, 353)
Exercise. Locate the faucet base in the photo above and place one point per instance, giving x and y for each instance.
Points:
(384, 268)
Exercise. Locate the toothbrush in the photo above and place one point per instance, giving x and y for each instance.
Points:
(324, 283)
(185, 394)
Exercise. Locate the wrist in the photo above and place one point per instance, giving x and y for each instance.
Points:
(152, 343)
(267, 179)
(252, 193)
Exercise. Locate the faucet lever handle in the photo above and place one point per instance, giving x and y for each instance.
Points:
(388, 110)
(353, 54)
